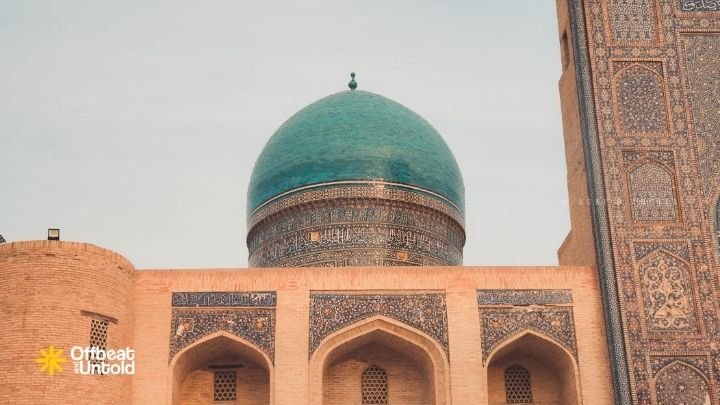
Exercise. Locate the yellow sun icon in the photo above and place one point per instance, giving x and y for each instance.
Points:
(51, 360)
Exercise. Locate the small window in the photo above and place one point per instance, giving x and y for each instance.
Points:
(98, 333)
(374, 386)
(517, 385)
(225, 385)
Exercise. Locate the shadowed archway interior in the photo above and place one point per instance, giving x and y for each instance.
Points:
(532, 370)
(221, 365)
(414, 367)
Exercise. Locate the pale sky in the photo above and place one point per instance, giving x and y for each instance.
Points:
(134, 125)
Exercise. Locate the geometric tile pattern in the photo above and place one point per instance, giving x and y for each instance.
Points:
(698, 362)
(224, 299)
(374, 386)
(249, 315)
(645, 248)
(687, 46)
(330, 312)
(358, 223)
(376, 190)
(702, 57)
(679, 383)
(652, 192)
(256, 325)
(340, 232)
(632, 20)
(98, 338)
(499, 324)
(98, 333)
(640, 97)
(517, 385)
(523, 297)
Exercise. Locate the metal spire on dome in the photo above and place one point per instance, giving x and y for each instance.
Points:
(353, 83)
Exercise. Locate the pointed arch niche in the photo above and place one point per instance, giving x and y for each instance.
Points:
(681, 383)
(416, 366)
(552, 371)
(192, 371)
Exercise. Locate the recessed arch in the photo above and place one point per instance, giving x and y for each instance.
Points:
(390, 333)
(652, 189)
(214, 348)
(638, 65)
(680, 382)
(666, 287)
(553, 369)
(640, 97)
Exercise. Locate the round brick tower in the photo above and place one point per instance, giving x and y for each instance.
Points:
(63, 294)
(356, 179)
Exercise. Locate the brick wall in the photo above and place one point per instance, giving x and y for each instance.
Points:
(578, 249)
(45, 286)
(467, 374)
(53, 282)
(407, 381)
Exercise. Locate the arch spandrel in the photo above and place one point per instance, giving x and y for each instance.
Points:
(211, 348)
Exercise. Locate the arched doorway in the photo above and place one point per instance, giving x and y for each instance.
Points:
(532, 369)
(379, 361)
(221, 367)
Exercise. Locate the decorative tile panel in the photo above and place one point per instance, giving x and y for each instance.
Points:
(224, 299)
(640, 97)
(702, 57)
(652, 193)
(523, 297)
(680, 383)
(698, 362)
(330, 312)
(667, 295)
(645, 248)
(249, 315)
(376, 190)
(684, 44)
(632, 20)
(340, 232)
(499, 324)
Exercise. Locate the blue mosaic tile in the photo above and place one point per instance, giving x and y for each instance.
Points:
(330, 312)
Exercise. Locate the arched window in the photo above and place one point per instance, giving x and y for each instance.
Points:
(374, 386)
(517, 385)
(225, 385)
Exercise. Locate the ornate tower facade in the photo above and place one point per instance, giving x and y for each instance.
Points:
(355, 179)
(641, 111)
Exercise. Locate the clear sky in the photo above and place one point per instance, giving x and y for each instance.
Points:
(134, 125)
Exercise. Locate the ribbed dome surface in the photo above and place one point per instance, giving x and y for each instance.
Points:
(355, 135)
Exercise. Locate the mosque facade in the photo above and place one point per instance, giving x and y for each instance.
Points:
(356, 293)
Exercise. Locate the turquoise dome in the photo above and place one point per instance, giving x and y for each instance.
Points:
(355, 135)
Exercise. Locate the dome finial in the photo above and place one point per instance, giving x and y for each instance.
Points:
(353, 83)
